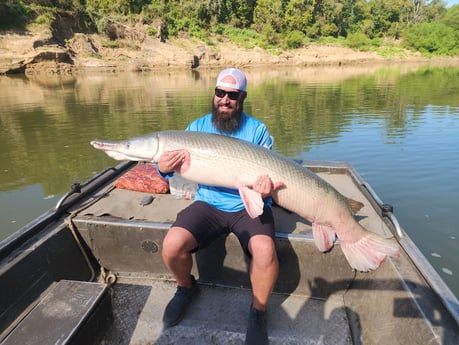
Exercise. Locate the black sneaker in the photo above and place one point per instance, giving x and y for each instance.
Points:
(257, 333)
(175, 309)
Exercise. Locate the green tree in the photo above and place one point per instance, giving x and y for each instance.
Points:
(298, 15)
(118, 7)
(326, 14)
(283, 22)
(451, 17)
(240, 12)
(385, 13)
(432, 39)
(267, 16)
(14, 13)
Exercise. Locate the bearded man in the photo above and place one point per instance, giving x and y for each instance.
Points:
(219, 211)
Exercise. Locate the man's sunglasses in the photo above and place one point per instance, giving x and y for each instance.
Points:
(232, 95)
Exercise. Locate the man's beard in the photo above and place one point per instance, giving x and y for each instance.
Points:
(227, 122)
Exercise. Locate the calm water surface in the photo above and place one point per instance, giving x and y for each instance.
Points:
(398, 126)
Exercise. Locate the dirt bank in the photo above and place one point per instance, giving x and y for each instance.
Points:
(38, 51)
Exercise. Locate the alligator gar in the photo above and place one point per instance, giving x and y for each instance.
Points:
(219, 160)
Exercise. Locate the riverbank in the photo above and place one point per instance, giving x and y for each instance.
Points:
(37, 51)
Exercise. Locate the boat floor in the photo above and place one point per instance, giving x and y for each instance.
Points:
(219, 316)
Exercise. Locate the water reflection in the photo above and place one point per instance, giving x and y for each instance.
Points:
(396, 124)
(46, 123)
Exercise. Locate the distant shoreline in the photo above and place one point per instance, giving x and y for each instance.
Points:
(20, 53)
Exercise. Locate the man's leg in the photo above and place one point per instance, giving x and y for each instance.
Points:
(176, 252)
(264, 269)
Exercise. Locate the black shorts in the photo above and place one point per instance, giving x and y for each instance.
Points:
(207, 223)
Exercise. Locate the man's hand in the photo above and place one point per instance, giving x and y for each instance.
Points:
(171, 161)
(265, 186)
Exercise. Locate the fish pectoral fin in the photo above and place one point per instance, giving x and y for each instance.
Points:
(252, 200)
(186, 163)
(324, 236)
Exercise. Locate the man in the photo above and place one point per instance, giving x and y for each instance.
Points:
(218, 211)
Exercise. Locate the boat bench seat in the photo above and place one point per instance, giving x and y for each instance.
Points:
(70, 312)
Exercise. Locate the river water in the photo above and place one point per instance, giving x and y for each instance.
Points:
(397, 125)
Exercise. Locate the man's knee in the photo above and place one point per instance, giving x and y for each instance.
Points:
(263, 250)
(178, 241)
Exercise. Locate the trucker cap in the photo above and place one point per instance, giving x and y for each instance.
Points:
(239, 77)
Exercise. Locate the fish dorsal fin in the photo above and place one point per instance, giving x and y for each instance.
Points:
(354, 205)
(252, 200)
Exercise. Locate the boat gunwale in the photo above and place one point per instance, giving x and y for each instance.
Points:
(15, 240)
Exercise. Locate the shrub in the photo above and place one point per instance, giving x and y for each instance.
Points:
(294, 39)
(358, 40)
(432, 39)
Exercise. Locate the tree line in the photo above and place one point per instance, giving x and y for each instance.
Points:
(421, 25)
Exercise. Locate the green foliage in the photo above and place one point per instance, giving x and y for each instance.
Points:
(358, 40)
(390, 51)
(329, 30)
(267, 16)
(200, 33)
(119, 7)
(432, 39)
(238, 13)
(270, 36)
(451, 17)
(264, 23)
(298, 15)
(152, 31)
(45, 15)
(243, 37)
(14, 14)
(111, 44)
(361, 42)
(294, 39)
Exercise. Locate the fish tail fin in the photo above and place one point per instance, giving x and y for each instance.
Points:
(369, 251)
(354, 205)
(324, 236)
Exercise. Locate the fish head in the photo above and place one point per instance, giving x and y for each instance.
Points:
(136, 149)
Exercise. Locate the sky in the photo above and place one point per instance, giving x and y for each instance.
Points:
(451, 2)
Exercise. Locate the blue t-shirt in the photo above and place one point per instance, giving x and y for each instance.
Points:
(251, 129)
